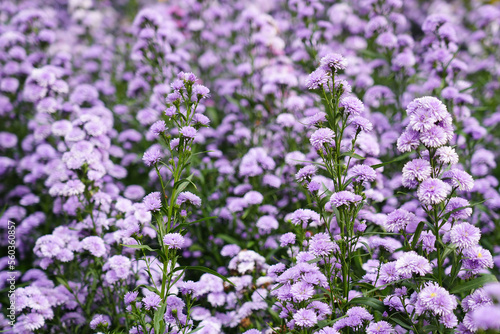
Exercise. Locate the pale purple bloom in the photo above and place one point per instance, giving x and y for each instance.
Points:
(317, 79)
(94, 245)
(344, 197)
(302, 291)
(158, 127)
(320, 137)
(435, 299)
(459, 179)
(321, 245)
(447, 155)
(188, 197)
(352, 105)
(306, 173)
(417, 169)
(151, 301)
(130, 297)
(100, 320)
(465, 235)
(408, 141)
(411, 263)
(333, 62)
(174, 240)
(432, 191)
(153, 201)
(362, 124)
(253, 197)
(362, 173)
(152, 157)
(287, 239)
(305, 318)
(434, 137)
(398, 220)
(381, 327)
(188, 132)
(455, 203)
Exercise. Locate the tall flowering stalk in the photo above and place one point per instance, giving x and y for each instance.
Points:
(169, 208)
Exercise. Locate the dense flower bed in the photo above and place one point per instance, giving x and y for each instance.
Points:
(255, 166)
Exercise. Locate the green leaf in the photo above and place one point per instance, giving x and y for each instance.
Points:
(158, 318)
(399, 158)
(150, 288)
(353, 155)
(417, 233)
(473, 284)
(196, 330)
(63, 282)
(314, 260)
(204, 269)
(141, 247)
(368, 301)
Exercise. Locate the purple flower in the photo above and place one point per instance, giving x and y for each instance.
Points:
(362, 124)
(487, 317)
(381, 327)
(287, 239)
(305, 318)
(321, 245)
(447, 155)
(94, 245)
(188, 197)
(230, 250)
(201, 92)
(432, 191)
(153, 201)
(475, 259)
(465, 235)
(151, 301)
(398, 220)
(459, 179)
(267, 223)
(352, 105)
(253, 197)
(408, 141)
(411, 263)
(130, 297)
(100, 320)
(152, 157)
(333, 62)
(344, 197)
(321, 137)
(302, 291)
(362, 173)
(174, 240)
(417, 169)
(435, 299)
(158, 127)
(188, 132)
(317, 79)
(306, 173)
(434, 137)
(455, 203)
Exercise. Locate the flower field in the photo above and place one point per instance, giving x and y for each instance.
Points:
(249, 166)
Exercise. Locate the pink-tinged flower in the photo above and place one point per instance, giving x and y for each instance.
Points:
(305, 318)
(94, 245)
(461, 205)
(432, 191)
(321, 245)
(333, 62)
(130, 297)
(475, 259)
(362, 173)
(306, 173)
(381, 327)
(188, 197)
(408, 141)
(31, 321)
(152, 157)
(447, 155)
(153, 201)
(434, 137)
(411, 263)
(417, 169)
(302, 291)
(151, 301)
(398, 220)
(287, 239)
(487, 317)
(317, 79)
(174, 240)
(362, 124)
(465, 235)
(188, 132)
(435, 299)
(459, 179)
(100, 320)
(321, 137)
(158, 127)
(344, 197)
(352, 105)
